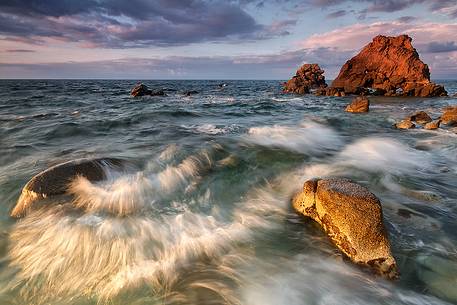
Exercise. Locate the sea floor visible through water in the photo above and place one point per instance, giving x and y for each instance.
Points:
(209, 185)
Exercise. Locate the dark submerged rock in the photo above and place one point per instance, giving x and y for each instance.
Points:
(352, 217)
(55, 180)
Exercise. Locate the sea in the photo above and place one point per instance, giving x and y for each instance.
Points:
(208, 195)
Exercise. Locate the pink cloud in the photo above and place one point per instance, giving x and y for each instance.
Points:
(355, 36)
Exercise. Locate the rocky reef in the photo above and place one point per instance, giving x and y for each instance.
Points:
(307, 77)
(352, 217)
(387, 66)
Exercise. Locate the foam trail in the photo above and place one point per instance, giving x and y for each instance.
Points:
(323, 281)
(383, 154)
(129, 193)
(308, 138)
(66, 252)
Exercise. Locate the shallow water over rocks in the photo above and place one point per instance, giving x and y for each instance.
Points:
(206, 215)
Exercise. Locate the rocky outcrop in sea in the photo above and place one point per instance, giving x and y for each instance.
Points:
(307, 77)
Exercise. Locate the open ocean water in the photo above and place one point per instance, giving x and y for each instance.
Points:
(210, 183)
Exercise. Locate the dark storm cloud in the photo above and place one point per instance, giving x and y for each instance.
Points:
(19, 51)
(440, 47)
(445, 6)
(119, 23)
(337, 14)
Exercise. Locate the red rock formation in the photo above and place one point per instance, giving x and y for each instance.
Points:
(390, 66)
(308, 76)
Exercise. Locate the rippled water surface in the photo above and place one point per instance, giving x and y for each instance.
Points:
(202, 213)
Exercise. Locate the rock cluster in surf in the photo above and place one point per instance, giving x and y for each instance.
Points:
(307, 77)
(421, 118)
(388, 66)
(352, 217)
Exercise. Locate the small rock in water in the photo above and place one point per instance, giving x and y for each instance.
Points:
(449, 116)
(420, 117)
(140, 90)
(433, 125)
(358, 105)
(405, 124)
(352, 217)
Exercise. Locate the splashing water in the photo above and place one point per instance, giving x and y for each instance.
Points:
(204, 216)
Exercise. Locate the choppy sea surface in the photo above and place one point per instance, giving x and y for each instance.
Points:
(208, 192)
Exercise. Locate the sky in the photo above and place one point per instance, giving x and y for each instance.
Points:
(213, 39)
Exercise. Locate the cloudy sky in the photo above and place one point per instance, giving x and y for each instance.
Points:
(212, 39)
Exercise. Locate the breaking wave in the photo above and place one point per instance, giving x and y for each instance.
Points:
(308, 138)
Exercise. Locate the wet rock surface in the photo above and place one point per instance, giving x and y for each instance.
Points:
(55, 180)
(420, 117)
(358, 105)
(307, 77)
(449, 115)
(433, 125)
(140, 90)
(352, 217)
(389, 66)
(405, 124)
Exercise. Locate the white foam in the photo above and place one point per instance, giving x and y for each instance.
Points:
(308, 138)
(383, 154)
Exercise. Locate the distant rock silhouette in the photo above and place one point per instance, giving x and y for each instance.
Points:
(142, 90)
(387, 66)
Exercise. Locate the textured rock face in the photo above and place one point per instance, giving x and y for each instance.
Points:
(140, 90)
(405, 124)
(391, 67)
(433, 125)
(54, 181)
(308, 76)
(420, 117)
(352, 217)
(358, 105)
(449, 115)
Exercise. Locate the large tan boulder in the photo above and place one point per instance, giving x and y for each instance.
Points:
(55, 180)
(352, 217)
(389, 66)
